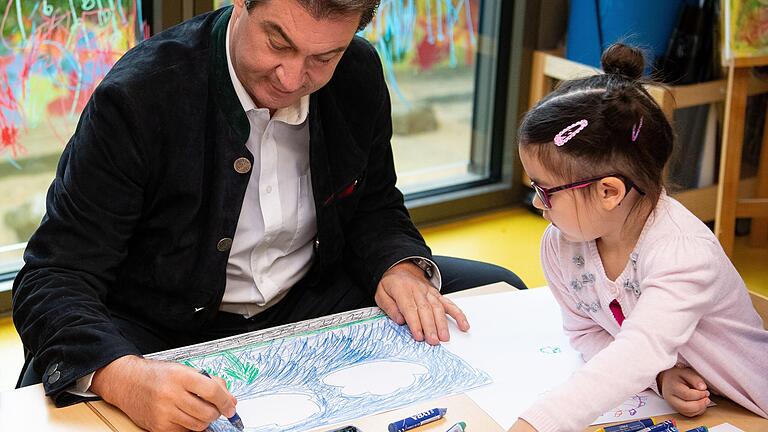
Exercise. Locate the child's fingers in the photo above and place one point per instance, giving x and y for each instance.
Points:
(693, 379)
(683, 392)
(690, 408)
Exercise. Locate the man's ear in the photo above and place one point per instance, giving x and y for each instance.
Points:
(611, 192)
(239, 7)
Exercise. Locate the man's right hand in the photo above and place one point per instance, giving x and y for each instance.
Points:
(163, 396)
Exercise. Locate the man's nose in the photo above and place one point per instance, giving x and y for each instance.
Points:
(291, 75)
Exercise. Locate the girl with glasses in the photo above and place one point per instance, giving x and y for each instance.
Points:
(648, 296)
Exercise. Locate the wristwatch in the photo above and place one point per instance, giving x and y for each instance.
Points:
(429, 269)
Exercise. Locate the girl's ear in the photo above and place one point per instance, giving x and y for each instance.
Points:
(611, 192)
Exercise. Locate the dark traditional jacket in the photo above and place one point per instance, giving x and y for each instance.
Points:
(146, 190)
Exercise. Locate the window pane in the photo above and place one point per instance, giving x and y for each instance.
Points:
(429, 49)
(52, 56)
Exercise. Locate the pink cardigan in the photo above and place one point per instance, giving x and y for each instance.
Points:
(684, 302)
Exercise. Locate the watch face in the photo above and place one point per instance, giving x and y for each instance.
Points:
(424, 265)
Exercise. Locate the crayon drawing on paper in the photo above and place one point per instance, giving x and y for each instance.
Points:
(337, 373)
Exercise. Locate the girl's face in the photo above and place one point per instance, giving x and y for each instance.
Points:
(571, 213)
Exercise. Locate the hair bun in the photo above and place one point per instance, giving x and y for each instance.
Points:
(623, 60)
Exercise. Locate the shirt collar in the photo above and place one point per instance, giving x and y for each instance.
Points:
(293, 115)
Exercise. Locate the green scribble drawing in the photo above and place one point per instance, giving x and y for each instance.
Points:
(228, 380)
(238, 370)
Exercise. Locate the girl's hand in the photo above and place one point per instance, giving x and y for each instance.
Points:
(685, 390)
(522, 426)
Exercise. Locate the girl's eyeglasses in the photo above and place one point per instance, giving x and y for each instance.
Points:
(545, 193)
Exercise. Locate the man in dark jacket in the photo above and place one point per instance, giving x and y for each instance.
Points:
(230, 174)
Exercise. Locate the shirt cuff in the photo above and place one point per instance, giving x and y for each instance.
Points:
(436, 280)
(81, 386)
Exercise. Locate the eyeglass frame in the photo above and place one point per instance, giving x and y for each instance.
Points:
(544, 193)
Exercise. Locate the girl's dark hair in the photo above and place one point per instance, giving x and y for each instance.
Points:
(613, 103)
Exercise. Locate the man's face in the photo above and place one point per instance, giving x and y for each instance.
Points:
(281, 53)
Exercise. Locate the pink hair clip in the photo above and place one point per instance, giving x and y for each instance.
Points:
(570, 132)
(636, 131)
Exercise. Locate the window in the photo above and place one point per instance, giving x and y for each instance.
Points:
(441, 70)
(53, 54)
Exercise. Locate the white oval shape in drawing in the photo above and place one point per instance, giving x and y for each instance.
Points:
(377, 377)
(276, 410)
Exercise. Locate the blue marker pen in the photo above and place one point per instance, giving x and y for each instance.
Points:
(235, 419)
(699, 429)
(417, 420)
(665, 426)
(632, 426)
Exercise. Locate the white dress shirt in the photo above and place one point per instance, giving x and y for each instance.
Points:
(273, 244)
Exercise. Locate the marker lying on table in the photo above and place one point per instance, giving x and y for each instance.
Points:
(632, 426)
(665, 426)
(458, 427)
(235, 419)
(347, 429)
(417, 420)
(699, 429)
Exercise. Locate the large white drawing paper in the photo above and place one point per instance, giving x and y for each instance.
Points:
(518, 339)
(327, 371)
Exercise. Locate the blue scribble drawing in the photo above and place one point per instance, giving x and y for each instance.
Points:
(335, 370)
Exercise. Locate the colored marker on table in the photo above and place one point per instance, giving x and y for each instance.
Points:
(665, 426)
(458, 427)
(632, 426)
(417, 420)
(346, 429)
(235, 419)
(699, 429)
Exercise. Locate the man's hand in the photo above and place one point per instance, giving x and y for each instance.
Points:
(522, 426)
(684, 390)
(162, 396)
(407, 297)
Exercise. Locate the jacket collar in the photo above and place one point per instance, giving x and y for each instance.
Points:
(226, 97)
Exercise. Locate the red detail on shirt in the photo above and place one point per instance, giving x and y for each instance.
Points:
(617, 313)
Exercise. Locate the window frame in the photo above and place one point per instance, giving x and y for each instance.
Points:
(513, 43)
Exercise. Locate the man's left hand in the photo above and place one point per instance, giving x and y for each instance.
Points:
(407, 297)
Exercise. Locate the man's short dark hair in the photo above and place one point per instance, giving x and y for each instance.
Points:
(327, 8)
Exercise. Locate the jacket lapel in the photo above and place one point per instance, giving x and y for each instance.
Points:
(336, 160)
(226, 98)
